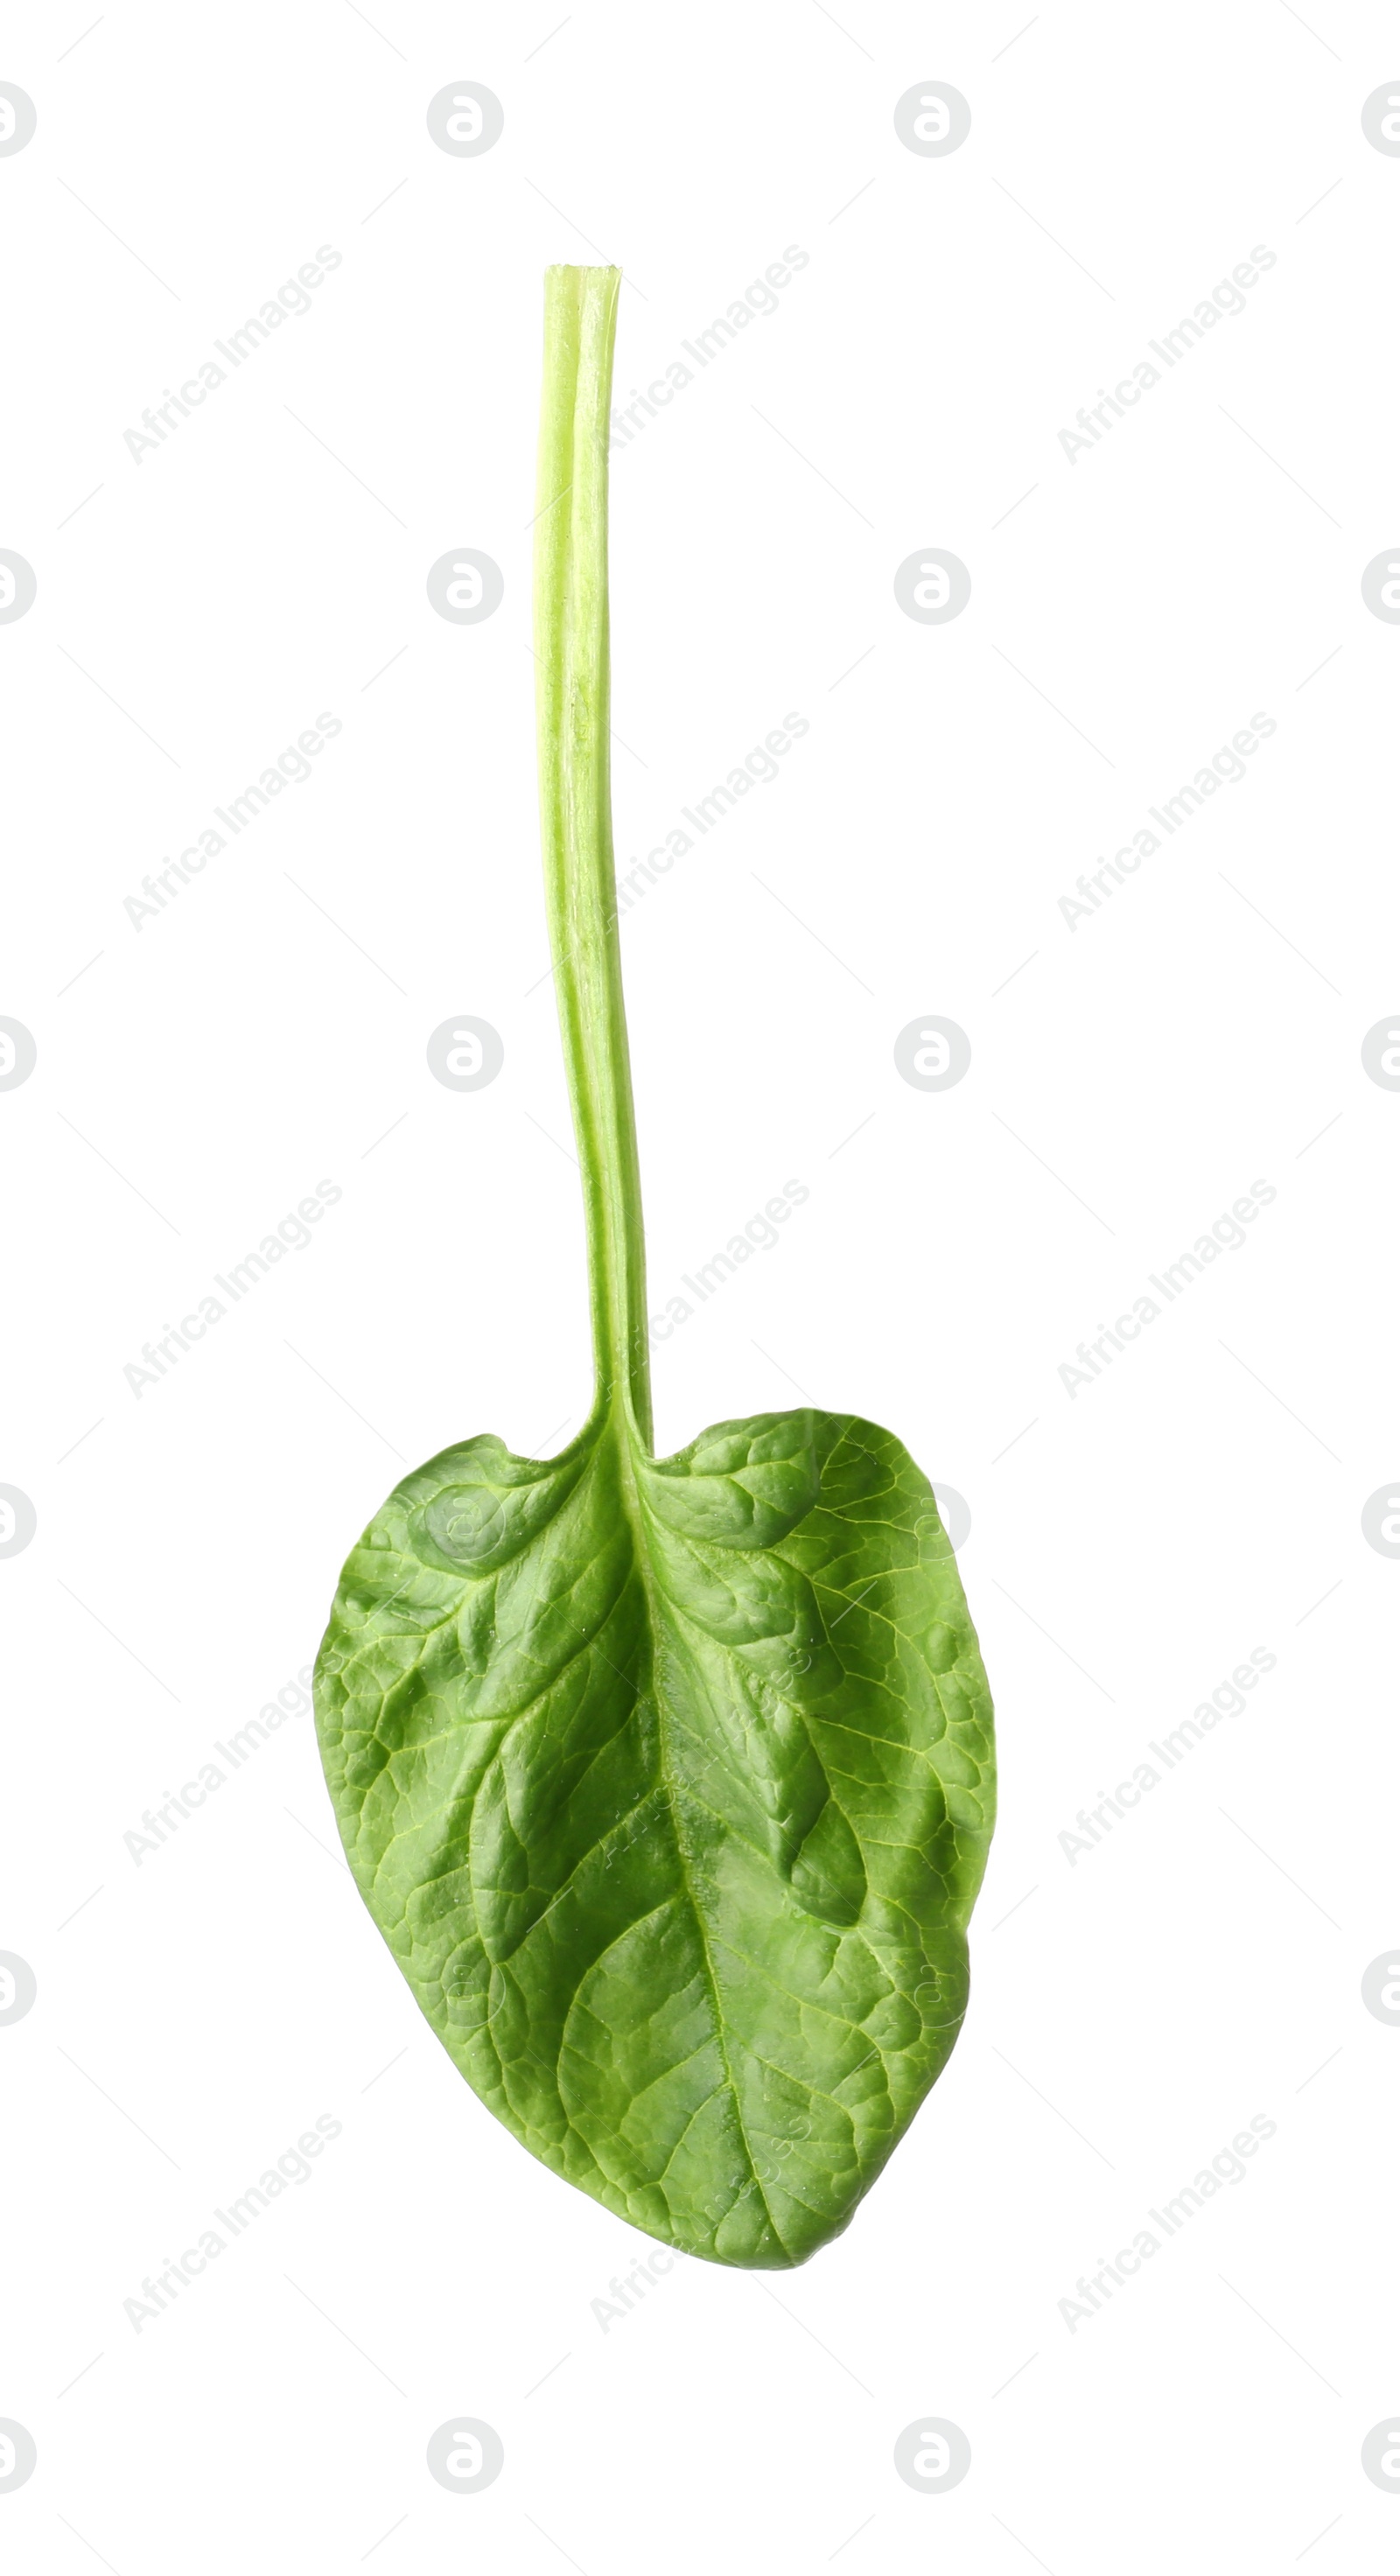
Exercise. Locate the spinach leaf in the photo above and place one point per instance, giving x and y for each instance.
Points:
(668, 1781)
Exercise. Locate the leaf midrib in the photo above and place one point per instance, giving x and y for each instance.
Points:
(619, 1431)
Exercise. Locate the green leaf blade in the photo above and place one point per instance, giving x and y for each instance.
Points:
(670, 1785)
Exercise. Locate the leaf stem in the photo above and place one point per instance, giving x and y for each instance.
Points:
(571, 643)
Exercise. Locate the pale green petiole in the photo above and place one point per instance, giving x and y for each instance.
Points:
(571, 642)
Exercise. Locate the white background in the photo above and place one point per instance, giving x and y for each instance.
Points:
(1130, 1078)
